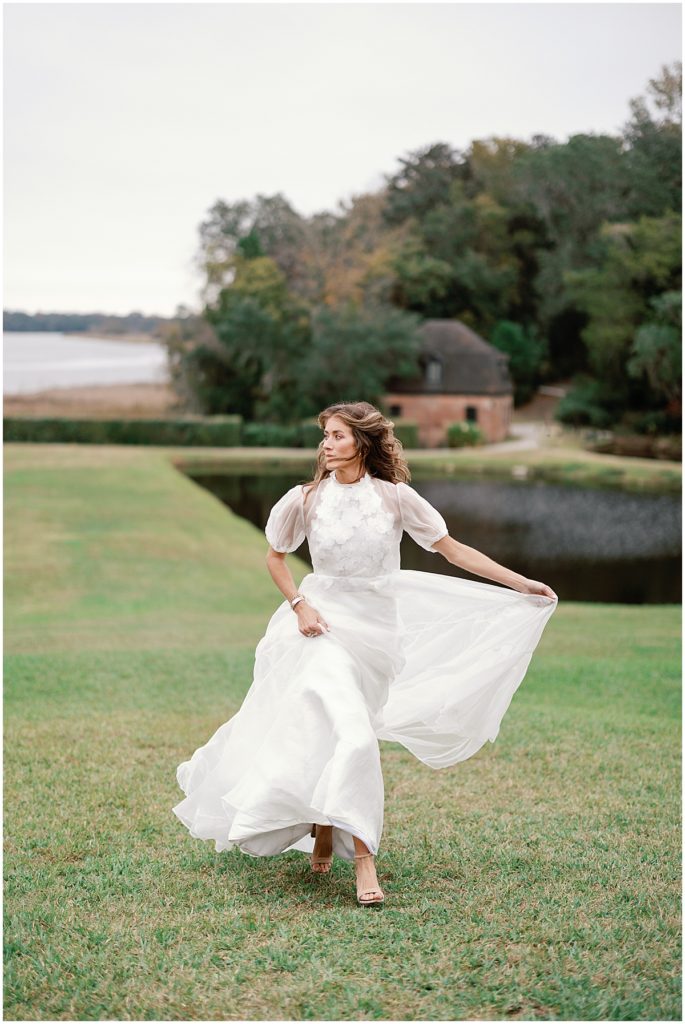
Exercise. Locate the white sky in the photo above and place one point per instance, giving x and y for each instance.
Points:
(125, 122)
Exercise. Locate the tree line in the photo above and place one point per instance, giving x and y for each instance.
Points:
(565, 255)
(131, 323)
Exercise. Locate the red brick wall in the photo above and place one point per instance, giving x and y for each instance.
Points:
(434, 413)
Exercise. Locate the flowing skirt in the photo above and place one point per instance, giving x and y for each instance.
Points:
(425, 660)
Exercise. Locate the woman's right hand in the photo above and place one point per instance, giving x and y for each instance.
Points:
(309, 622)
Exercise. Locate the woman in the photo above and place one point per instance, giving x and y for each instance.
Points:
(362, 651)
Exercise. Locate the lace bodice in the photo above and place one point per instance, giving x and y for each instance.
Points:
(353, 529)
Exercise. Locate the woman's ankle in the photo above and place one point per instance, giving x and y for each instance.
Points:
(361, 849)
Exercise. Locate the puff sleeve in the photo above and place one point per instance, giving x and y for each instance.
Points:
(422, 522)
(285, 528)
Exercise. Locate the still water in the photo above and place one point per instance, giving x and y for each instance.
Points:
(587, 544)
(35, 361)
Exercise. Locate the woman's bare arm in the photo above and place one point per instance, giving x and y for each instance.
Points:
(476, 562)
(308, 618)
(281, 574)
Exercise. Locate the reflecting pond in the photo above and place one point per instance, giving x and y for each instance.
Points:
(587, 544)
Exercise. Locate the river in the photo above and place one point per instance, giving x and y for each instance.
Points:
(36, 361)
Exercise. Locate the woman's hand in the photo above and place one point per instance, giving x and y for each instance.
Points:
(535, 587)
(480, 565)
(309, 622)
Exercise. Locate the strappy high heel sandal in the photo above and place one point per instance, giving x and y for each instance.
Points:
(324, 863)
(369, 893)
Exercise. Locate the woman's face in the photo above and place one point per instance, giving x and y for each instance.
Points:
(339, 445)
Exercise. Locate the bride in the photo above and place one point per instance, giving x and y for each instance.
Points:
(363, 650)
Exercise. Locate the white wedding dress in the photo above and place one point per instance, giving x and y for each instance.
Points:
(426, 660)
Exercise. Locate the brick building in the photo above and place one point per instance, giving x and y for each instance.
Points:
(463, 379)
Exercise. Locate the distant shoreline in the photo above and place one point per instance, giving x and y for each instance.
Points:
(104, 336)
(95, 336)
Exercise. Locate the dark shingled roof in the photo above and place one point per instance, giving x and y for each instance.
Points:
(469, 365)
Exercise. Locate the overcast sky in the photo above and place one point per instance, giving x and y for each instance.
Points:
(125, 122)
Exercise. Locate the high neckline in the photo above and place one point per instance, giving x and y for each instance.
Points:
(354, 482)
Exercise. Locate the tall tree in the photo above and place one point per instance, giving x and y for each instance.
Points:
(526, 353)
(657, 351)
(354, 251)
(422, 183)
(572, 188)
(652, 140)
(636, 264)
(267, 225)
(262, 329)
(354, 351)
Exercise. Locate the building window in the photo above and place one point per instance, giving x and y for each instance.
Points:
(395, 410)
(433, 372)
(472, 413)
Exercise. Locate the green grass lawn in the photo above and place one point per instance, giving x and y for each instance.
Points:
(538, 880)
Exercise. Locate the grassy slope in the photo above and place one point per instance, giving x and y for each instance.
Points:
(538, 880)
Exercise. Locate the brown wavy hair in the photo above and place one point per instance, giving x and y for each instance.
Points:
(381, 452)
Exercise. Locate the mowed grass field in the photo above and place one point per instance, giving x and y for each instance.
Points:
(538, 880)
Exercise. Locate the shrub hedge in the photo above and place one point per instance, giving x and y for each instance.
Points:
(219, 431)
(407, 433)
(200, 431)
(272, 435)
(463, 433)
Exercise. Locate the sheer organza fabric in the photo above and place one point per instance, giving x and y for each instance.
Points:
(426, 660)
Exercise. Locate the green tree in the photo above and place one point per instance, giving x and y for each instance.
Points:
(422, 282)
(491, 164)
(656, 351)
(262, 330)
(354, 352)
(267, 225)
(422, 183)
(260, 278)
(193, 355)
(250, 246)
(572, 188)
(652, 141)
(526, 354)
(636, 262)
(458, 261)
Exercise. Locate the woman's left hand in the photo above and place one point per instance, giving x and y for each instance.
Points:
(535, 587)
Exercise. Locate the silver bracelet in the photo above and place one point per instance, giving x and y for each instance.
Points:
(296, 599)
